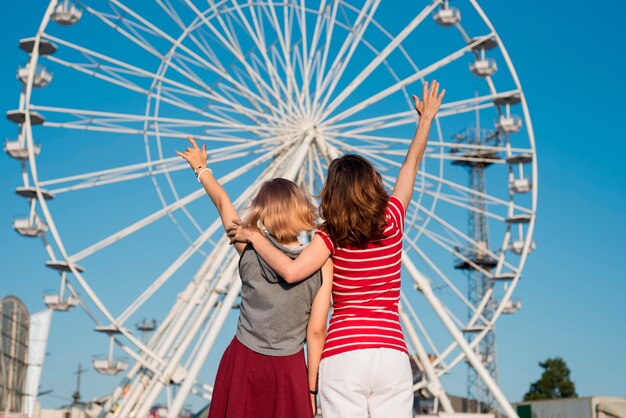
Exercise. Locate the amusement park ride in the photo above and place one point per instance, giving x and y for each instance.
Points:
(276, 89)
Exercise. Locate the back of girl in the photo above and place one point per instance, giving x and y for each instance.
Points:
(365, 369)
(263, 372)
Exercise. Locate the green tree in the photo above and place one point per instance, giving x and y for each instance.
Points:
(554, 383)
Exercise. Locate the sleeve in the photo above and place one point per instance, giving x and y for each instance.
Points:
(326, 239)
(396, 208)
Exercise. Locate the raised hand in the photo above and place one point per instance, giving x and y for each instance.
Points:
(431, 100)
(194, 155)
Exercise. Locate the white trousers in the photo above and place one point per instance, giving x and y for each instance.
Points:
(374, 382)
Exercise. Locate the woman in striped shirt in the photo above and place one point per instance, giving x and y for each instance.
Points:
(365, 369)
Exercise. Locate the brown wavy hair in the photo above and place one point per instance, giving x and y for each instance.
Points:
(353, 202)
(283, 209)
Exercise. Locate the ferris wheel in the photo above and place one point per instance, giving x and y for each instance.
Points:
(275, 89)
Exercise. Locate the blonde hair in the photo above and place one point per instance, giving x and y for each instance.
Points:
(283, 209)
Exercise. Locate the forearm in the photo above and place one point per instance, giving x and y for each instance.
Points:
(405, 182)
(310, 260)
(315, 346)
(418, 146)
(220, 198)
(275, 259)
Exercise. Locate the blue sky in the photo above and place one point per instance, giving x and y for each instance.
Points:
(570, 63)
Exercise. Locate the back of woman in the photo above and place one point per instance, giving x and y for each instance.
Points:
(366, 289)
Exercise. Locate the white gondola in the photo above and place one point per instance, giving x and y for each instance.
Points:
(504, 276)
(484, 67)
(31, 192)
(509, 124)
(18, 151)
(57, 303)
(473, 329)
(45, 47)
(519, 219)
(42, 76)
(109, 366)
(525, 158)
(521, 185)
(62, 266)
(447, 16)
(510, 307)
(66, 14)
(19, 116)
(30, 228)
(518, 246)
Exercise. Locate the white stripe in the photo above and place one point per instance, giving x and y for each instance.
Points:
(382, 266)
(369, 308)
(397, 331)
(382, 276)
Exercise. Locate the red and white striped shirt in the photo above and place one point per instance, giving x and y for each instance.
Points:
(366, 290)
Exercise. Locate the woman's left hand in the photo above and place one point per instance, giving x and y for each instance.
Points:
(314, 404)
(239, 232)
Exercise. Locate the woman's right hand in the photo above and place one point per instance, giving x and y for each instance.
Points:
(431, 100)
(239, 232)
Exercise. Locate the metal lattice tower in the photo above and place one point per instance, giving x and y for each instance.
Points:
(478, 284)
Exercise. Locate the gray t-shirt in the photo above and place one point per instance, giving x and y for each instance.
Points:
(274, 314)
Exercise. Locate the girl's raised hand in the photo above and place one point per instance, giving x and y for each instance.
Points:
(194, 155)
(431, 100)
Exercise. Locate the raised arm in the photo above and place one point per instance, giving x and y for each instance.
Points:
(316, 329)
(427, 108)
(196, 157)
(311, 259)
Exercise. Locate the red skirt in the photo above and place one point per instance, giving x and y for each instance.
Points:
(249, 384)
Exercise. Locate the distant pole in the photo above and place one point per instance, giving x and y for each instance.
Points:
(76, 395)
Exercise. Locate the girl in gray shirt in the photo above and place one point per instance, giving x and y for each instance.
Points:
(263, 372)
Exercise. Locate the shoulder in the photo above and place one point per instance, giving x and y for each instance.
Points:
(325, 238)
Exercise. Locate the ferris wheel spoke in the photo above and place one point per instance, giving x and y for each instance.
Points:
(312, 59)
(466, 239)
(155, 167)
(343, 57)
(164, 35)
(367, 71)
(488, 198)
(257, 36)
(231, 43)
(117, 66)
(184, 201)
(104, 119)
(283, 34)
(420, 325)
(397, 86)
(440, 274)
(374, 123)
